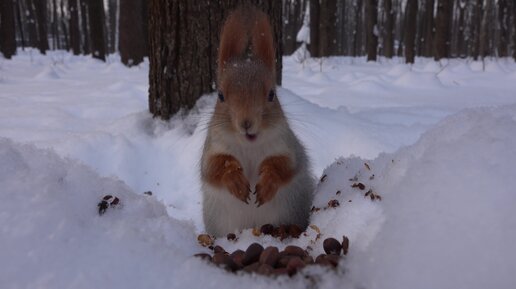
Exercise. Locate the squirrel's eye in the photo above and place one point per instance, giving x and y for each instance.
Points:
(221, 96)
(271, 95)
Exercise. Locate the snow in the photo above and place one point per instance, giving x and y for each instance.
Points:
(439, 138)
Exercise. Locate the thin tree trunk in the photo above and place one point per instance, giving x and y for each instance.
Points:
(85, 33)
(75, 34)
(112, 8)
(410, 32)
(428, 49)
(327, 28)
(477, 22)
(388, 37)
(314, 27)
(66, 43)
(131, 36)
(7, 29)
(20, 23)
(503, 22)
(483, 44)
(55, 32)
(442, 29)
(41, 16)
(357, 33)
(371, 37)
(31, 23)
(96, 21)
(460, 38)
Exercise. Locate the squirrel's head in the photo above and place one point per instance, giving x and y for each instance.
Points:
(247, 98)
(246, 73)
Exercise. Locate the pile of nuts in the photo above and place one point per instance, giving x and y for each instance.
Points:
(271, 261)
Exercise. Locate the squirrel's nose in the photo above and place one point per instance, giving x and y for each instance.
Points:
(246, 124)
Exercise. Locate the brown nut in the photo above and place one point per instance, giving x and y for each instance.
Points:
(283, 261)
(265, 269)
(267, 229)
(270, 256)
(294, 265)
(252, 254)
(225, 261)
(294, 251)
(237, 257)
(332, 246)
(251, 267)
(294, 231)
(219, 249)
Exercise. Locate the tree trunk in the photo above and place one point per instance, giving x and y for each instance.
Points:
(327, 28)
(96, 21)
(503, 22)
(75, 34)
(66, 43)
(513, 6)
(460, 42)
(357, 33)
(131, 36)
(388, 37)
(85, 32)
(410, 32)
(442, 29)
(181, 68)
(7, 29)
(55, 31)
(113, 8)
(41, 16)
(484, 42)
(428, 49)
(20, 23)
(477, 20)
(314, 27)
(371, 37)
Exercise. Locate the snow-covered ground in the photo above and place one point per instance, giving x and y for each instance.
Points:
(439, 138)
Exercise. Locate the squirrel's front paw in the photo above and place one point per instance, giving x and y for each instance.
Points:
(265, 189)
(237, 184)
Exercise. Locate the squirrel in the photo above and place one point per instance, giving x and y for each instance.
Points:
(250, 152)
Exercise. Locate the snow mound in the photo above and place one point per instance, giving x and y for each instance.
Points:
(448, 204)
(47, 73)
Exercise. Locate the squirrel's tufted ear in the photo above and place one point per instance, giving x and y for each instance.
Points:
(247, 27)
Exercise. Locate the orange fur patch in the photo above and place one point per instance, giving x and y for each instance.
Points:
(225, 171)
(275, 171)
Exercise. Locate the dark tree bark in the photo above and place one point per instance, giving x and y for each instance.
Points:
(85, 31)
(429, 29)
(513, 6)
(64, 27)
(131, 36)
(327, 28)
(75, 33)
(19, 23)
(460, 37)
(484, 29)
(442, 29)
(112, 8)
(357, 33)
(7, 29)
(96, 21)
(182, 68)
(388, 37)
(371, 22)
(504, 23)
(410, 32)
(55, 31)
(477, 27)
(314, 28)
(41, 16)
(31, 23)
